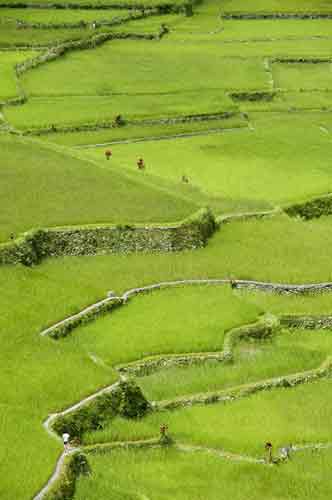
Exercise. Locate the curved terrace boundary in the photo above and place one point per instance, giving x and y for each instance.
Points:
(63, 469)
(31, 247)
(67, 325)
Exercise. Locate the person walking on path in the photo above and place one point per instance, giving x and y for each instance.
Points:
(66, 438)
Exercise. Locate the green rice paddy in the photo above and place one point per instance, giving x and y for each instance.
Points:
(158, 474)
(237, 100)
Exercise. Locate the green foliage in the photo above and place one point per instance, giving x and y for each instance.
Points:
(311, 209)
(92, 416)
(125, 399)
(133, 404)
(75, 465)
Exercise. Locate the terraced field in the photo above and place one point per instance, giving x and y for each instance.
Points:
(165, 249)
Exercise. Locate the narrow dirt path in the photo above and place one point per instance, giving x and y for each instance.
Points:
(56, 474)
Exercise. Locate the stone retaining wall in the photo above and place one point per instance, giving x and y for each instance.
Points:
(260, 329)
(247, 390)
(323, 322)
(32, 247)
(311, 209)
(63, 328)
(277, 15)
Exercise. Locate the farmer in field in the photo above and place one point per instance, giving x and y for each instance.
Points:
(140, 164)
(108, 154)
(66, 438)
(268, 449)
(185, 179)
(163, 431)
(232, 283)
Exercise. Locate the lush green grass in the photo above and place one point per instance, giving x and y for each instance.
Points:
(40, 189)
(151, 24)
(281, 416)
(303, 76)
(44, 376)
(290, 304)
(138, 131)
(236, 30)
(8, 81)
(142, 66)
(286, 352)
(59, 16)
(272, 29)
(168, 473)
(145, 327)
(75, 111)
(283, 158)
(95, 3)
(264, 164)
(277, 6)
(284, 48)
(11, 36)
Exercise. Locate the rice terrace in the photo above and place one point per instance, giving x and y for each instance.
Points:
(166, 249)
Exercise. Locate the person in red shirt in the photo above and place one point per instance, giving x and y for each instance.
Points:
(108, 154)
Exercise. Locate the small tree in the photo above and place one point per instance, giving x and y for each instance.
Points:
(133, 403)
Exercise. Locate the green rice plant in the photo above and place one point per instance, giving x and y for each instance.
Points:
(273, 29)
(168, 472)
(142, 66)
(115, 339)
(284, 353)
(242, 426)
(302, 76)
(151, 24)
(44, 376)
(12, 37)
(8, 83)
(292, 6)
(97, 4)
(135, 132)
(40, 189)
(207, 24)
(60, 16)
(262, 164)
(314, 304)
(96, 111)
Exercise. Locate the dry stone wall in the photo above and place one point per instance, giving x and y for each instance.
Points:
(33, 246)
